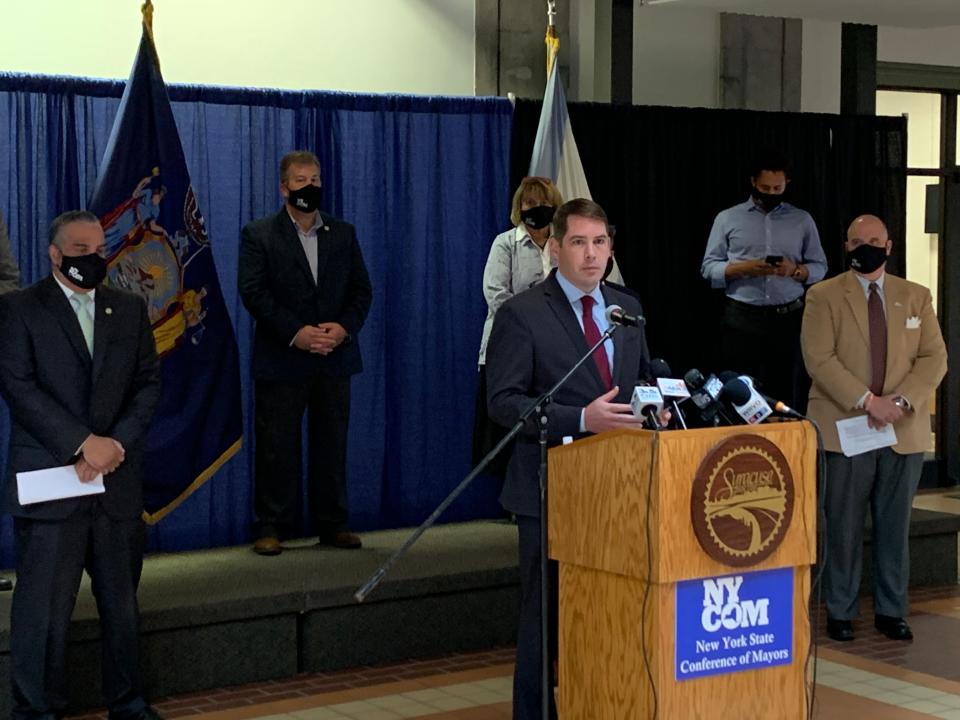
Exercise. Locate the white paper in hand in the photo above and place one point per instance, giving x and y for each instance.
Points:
(857, 437)
(54, 484)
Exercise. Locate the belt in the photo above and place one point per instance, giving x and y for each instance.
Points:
(768, 309)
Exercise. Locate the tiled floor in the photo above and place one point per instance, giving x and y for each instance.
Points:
(871, 677)
(460, 686)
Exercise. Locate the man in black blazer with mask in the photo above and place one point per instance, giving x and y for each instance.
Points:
(303, 279)
(537, 337)
(79, 371)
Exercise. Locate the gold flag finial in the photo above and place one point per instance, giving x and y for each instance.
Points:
(552, 40)
(147, 11)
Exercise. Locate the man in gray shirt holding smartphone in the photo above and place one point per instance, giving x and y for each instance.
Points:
(763, 252)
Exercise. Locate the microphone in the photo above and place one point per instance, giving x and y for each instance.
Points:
(705, 394)
(748, 403)
(616, 315)
(671, 388)
(776, 405)
(782, 408)
(647, 402)
(704, 391)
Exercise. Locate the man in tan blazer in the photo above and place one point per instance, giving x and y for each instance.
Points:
(872, 346)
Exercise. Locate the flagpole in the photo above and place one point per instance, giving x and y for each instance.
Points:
(552, 41)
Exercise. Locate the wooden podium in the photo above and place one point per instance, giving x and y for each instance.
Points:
(620, 526)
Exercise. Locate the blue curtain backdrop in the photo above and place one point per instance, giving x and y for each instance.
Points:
(426, 182)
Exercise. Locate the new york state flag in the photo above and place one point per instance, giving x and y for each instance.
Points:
(158, 247)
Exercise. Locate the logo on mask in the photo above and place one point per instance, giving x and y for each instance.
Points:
(537, 217)
(742, 500)
(85, 271)
(866, 258)
(306, 199)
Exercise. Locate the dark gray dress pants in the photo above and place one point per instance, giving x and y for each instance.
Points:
(51, 557)
(884, 482)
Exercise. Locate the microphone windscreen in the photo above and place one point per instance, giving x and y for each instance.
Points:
(609, 312)
(736, 391)
(660, 369)
(694, 379)
(727, 375)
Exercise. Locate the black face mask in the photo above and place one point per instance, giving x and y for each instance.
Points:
(537, 217)
(84, 271)
(866, 258)
(306, 199)
(768, 201)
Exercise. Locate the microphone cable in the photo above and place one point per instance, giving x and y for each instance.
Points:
(644, 645)
(815, 605)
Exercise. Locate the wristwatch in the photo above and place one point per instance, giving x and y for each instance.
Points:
(901, 402)
(798, 273)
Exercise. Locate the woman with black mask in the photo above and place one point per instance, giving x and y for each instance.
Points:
(519, 259)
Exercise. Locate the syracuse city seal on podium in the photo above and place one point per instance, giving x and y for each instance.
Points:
(742, 500)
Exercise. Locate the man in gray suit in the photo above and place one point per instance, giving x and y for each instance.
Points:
(78, 368)
(537, 337)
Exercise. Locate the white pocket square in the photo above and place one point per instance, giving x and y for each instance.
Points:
(913, 323)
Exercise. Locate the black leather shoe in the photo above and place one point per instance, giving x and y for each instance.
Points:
(895, 628)
(840, 630)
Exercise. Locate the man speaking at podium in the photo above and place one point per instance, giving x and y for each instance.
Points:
(537, 337)
(873, 348)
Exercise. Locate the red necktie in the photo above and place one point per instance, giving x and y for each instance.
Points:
(592, 333)
(878, 341)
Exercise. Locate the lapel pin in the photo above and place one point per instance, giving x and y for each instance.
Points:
(326, 228)
(109, 311)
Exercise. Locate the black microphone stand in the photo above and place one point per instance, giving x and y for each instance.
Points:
(538, 407)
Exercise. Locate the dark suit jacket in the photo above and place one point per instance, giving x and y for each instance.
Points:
(278, 290)
(535, 340)
(58, 395)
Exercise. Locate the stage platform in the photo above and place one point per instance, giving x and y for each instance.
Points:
(216, 618)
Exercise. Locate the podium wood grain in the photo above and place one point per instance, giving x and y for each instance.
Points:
(620, 514)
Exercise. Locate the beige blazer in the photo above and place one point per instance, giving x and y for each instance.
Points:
(835, 340)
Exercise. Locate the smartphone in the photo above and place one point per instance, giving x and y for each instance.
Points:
(774, 259)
